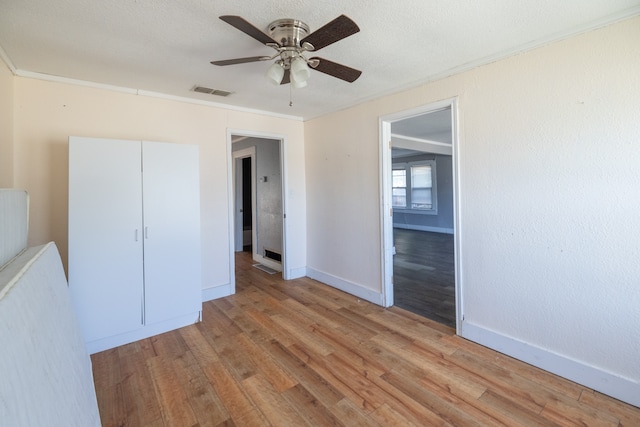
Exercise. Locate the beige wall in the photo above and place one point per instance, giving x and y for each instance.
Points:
(47, 113)
(549, 188)
(6, 126)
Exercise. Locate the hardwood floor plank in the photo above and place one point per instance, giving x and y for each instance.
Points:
(267, 366)
(242, 409)
(407, 407)
(571, 413)
(302, 353)
(304, 374)
(112, 407)
(310, 408)
(203, 400)
(545, 379)
(508, 383)
(627, 415)
(326, 370)
(373, 397)
(305, 335)
(415, 331)
(511, 413)
(169, 345)
(350, 350)
(173, 400)
(198, 346)
(446, 406)
(106, 367)
(272, 404)
(388, 416)
(234, 358)
(347, 410)
(141, 408)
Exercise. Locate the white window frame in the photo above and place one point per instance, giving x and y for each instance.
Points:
(406, 189)
(434, 188)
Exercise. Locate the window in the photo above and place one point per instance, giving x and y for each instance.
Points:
(421, 186)
(399, 189)
(413, 186)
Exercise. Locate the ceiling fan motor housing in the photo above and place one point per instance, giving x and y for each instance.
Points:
(288, 32)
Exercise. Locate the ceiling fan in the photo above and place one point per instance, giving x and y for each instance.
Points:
(291, 40)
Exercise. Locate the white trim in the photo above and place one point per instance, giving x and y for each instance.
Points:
(216, 292)
(457, 197)
(346, 286)
(231, 212)
(5, 58)
(149, 94)
(144, 332)
(386, 216)
(395, 136)
(386, 209)
(587, 375)
(421, 145)
(442, 230)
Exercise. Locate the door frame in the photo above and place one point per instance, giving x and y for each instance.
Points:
(238, 228)
(386, 213)
(231, 132)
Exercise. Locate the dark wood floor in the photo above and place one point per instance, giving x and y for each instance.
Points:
(300, 353)
(423, 274)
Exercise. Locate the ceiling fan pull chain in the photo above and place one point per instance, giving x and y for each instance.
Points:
(290, 95)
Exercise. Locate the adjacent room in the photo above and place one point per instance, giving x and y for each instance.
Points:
(293, 213)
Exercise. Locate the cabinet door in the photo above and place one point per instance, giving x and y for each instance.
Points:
(172, 266)
(105, 235)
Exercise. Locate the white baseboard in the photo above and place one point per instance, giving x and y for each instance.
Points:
(589, 376)
(145, 331)
(424, 228)
(217, 292)
(346, 286)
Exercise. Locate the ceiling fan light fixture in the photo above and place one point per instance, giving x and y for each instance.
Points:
(299, 71)
(275, 73)
(297, 84)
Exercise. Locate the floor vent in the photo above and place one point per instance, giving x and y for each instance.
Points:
(209, 91)
(265, 268)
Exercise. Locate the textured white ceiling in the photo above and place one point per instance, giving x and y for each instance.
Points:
(165, 46)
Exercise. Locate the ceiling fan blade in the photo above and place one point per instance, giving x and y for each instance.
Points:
(331, 32)
(241, 60)
(246, 27)
(336, 70)
(286, 79)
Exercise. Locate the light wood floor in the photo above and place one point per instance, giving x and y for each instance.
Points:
(300, 353)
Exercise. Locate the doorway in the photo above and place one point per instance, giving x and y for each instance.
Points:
(419, 202)
(245, 199)
(257, 200)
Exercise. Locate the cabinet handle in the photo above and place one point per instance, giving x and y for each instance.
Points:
(136, 235)
(146, 232)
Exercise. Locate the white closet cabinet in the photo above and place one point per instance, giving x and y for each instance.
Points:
(134, 238)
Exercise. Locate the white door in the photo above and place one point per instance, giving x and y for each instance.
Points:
(105, 235)
(172, 266)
